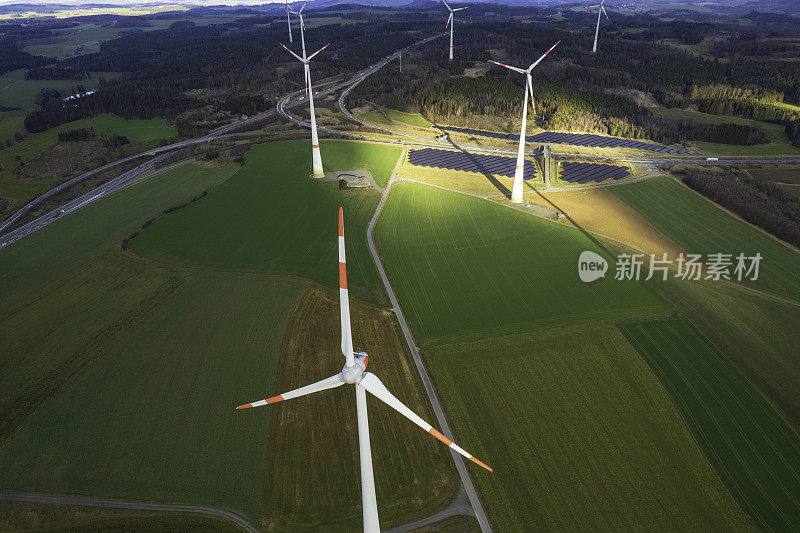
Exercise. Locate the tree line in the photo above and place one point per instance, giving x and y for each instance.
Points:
(767, 205)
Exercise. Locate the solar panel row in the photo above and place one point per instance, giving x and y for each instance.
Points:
(451, 160)
(576, 139)
(586, 172)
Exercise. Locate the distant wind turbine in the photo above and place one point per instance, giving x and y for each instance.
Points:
(451, 23)
(516, 189)
(316, 156)
(355, 373)
(288, 21)
(597, 29)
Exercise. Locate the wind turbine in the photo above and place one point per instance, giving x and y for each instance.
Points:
(288, 21)
(355, 373)
(302, 35)
(451, 22)
(516, 189)
(597, 30)
(316, 156)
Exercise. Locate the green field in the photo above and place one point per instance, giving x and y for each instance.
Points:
(148, 131)
(580, 434)
(88, 36)
(779, 144)
(116, 369)
(751, 447)
(121, 373)
(465, 268)
(234, 231)
(22, 191)
(794, 189)
(412, 119)
(16, 91)
(20, 516)
(11, 122)
(699, 226)
(758, 333)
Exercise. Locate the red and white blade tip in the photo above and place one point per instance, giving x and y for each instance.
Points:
(447, 442)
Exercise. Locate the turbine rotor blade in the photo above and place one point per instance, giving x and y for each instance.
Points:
(460, 8)
(543, 56)
(448, 5)
(604, 13)
(327, 383)
(300, 59)
(344, 299)
(515, 69)
(530, 88)
(449, 19)
(374, 386)
(318, 51)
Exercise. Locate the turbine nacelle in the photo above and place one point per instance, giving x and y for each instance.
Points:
(354, 374)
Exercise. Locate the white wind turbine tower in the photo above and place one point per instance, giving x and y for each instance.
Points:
(600, 10)
(355, 373)
(516, 189)
(316, 156)
(451, 23)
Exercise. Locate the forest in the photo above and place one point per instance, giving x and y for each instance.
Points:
(174, 73)
(765, 204)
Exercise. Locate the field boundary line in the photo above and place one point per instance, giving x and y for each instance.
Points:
(230, 515)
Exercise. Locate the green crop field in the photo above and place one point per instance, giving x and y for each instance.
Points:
(580, 434)
(751, 447)
(757, 332)
(699, 226)
(296, 234)
(468, 268)
(116, 369)
(121, 373)
(21, 191)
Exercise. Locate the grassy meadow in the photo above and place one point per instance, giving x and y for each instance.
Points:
(699, 226)
(778, 145)
(16, 91)
(233, 231)
(580, 434)
(751, 447)
(466, 268)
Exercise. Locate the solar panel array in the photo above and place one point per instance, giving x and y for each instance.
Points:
(488, 164)
(586, 172)
(575, 139)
